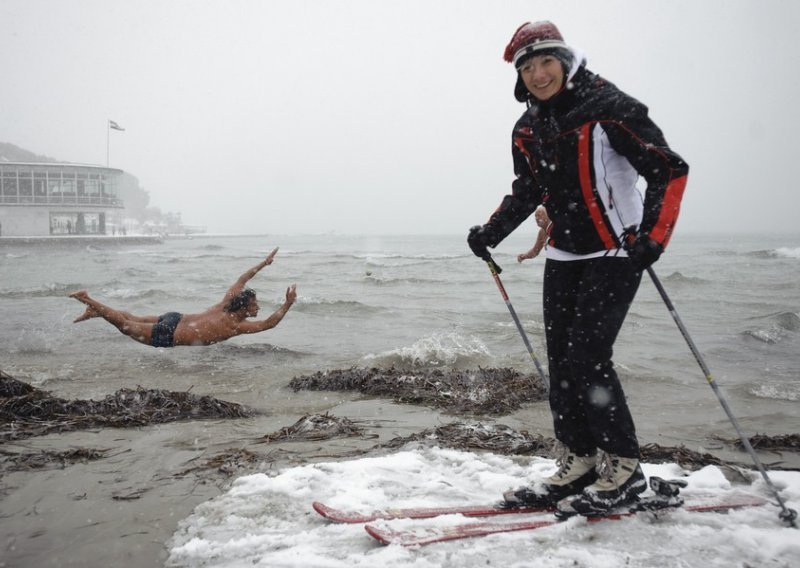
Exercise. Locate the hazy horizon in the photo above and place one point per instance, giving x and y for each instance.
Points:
(388, 117)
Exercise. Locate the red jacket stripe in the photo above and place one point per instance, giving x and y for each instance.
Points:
(670, 207)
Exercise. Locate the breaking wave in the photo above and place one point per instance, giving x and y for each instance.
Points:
(339, 307)
(779, 326)
(381, 281)
(785, 252)
(679, 278)
(780, 252)
(437, 350)
(777, 391)
(53, 289)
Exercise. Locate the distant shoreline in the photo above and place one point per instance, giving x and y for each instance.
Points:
(84, 240)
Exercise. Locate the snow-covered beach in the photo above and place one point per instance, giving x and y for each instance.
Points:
(267, 520)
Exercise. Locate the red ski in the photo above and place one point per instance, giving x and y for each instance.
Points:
(428, 535)
(340, 516)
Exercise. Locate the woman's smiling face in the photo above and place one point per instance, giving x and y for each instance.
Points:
(543, 75)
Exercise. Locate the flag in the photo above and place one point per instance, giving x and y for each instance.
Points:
(114, 125)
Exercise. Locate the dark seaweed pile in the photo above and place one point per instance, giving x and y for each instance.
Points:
(483, 391)
(228, 463)
(314, 428)
(500, 439)
(26, 411)
(777, 444)
(310, 428)
(27, 461)
(497, 438)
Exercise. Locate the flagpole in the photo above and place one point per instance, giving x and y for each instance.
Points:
(109, 125)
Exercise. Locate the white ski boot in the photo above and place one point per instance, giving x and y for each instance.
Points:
(619, 482)
(574, 474)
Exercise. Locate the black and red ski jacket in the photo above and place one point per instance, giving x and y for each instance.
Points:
(580, 154)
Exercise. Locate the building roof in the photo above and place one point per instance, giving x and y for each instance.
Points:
(60, 165)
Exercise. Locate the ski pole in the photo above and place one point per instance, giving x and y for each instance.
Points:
(495, 270)
(787, 515)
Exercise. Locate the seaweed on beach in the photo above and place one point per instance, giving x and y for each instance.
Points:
(314, 428)
(229, 462)
(26, 411)
(684, 457)
(11, 387)
(503, 440)
(781, 443)
(497, 438)
(310, 428)
(478, 391)
(26, 461)
(692, 461)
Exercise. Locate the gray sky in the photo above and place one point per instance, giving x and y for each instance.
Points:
(371, 116)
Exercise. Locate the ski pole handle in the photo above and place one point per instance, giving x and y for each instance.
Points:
(493, 266)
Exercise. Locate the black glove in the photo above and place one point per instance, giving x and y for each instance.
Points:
(478, 240)
(643, 251)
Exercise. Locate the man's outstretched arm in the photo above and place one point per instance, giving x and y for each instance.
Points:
(248, 326)
(240, 283)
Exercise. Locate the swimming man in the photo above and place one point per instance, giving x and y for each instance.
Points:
(219, 322)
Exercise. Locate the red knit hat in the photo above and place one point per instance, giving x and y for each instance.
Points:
(530, 38)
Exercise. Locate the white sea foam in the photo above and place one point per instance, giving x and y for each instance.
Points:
(786, 252)
(443, 348)
(777, 391)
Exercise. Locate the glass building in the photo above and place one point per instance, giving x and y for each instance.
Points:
(40, 199)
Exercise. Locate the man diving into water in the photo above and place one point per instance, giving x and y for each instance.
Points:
(219, 322)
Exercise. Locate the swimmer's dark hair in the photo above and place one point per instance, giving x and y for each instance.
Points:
(240, 300)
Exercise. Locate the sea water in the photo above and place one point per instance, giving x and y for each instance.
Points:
(406, 301)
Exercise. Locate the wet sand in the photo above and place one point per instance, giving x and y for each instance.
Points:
(124, 508)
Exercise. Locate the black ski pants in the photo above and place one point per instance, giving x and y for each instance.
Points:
(585, 303)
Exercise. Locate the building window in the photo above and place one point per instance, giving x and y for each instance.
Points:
(68, 184)
(26, 184)
(9, 185)
(67, 223)
(53, 183)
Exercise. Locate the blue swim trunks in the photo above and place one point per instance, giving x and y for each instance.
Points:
(164, 329)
